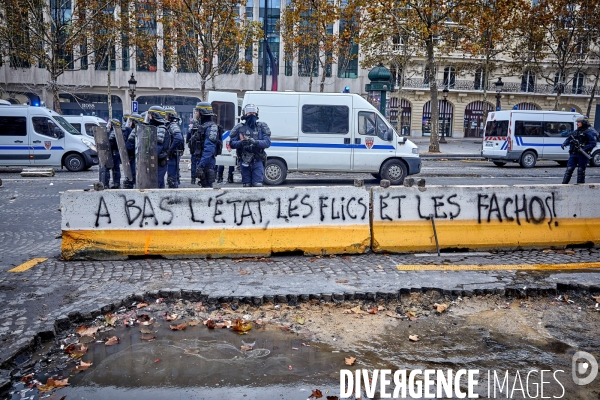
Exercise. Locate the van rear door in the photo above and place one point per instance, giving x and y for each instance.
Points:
(495, 137)
(325, 137)
(14, 140)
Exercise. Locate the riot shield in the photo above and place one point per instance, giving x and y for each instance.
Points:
(146, 157)
(123, 154)
(103, 147)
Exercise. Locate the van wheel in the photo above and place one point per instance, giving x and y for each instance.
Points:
(595, 161)
(528, 159)
(499, 163)
(275, 172)
(74, 163)
(394, 171)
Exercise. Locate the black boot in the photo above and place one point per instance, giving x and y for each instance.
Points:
(193, 179)
(580, 175)
(568, 174)
(220, 177)
(230, 177)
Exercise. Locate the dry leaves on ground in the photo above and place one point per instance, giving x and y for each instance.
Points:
(342, 281)
(392, 314)
(349, 360)
(112, 341)
(188, 351)
(147, 336)
(85, 331)
(316, 394)
(142, 305)
(83, 366)
(194, 323)
(373, 310)
(172, 317)
(239, 325)
(76, 350)
(245, 348)
(110, 319)
(300, 319)
(243, 272)
(413, 338)
(440, 308)
(53, 384)
(180, 327)
(597, 298)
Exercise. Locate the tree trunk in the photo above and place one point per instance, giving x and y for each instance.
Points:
(558, 93)
(55, 97)
(322, 84)
(485, 86)
(434, 140)
(589, 107)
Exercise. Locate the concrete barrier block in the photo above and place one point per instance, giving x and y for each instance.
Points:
(484, 217)
(214, 222)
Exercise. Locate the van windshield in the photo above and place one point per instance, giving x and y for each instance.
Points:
(496, 128)
(67, 126)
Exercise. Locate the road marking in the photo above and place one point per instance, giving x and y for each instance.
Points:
(493, 267)
(27, 265)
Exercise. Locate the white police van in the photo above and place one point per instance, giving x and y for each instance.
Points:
(85, 123)
(328, 132)
(525, 136)
(37, 136)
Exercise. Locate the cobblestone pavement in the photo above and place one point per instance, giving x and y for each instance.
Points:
(55, 295)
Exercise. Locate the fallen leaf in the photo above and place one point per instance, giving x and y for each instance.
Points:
(285, 328)
(76, 350)
(85, 331)
(414, 338)
(316, 394)
(357, 310)
(180, 327)
(379, 267)
(440, 308)
(147, 336)
(342, 281)
(27, 378)
(239, 325)
(142, 305)
(380, 308)
(53, 384)
(350, 360)
(194, 323)
(300, 319)
(143, 317)
(110, 319)
(243, 272)
(83, 366)
(112, 341)
(373, 310)
(245, 348)
(392, 314)
(597, 298)
(188, 351)
(172, 317)
(146, 330)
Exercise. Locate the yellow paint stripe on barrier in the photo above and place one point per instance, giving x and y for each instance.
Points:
(27, 265)
(218, 242)
(418, 235)
(497, 267)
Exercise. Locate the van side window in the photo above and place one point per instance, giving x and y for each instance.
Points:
(76, 126)
(44, 126)
(89, 129)
(529, 128)
(225, 114)
(371, 124)
(496, 128)
(557, 129)
(325, 119)
(13, 126)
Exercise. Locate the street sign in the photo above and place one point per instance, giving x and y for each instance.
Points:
(134, 106)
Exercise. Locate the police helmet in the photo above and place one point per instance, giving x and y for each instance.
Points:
(171, 113)
(113, 122)
(205, 108)
(136, 117)
(584, 121)
(157, 113)
(250, 108)
(125, 118)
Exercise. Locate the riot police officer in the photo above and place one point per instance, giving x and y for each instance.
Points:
(130, 135)
(250, 139)
(203, 143)
(175, 149)
(156, 116)
(580, 141)
(114, 148)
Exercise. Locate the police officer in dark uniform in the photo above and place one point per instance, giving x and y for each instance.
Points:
(156, 116)
(175, 149)
(114, 148)
(130, 135)
(583, 139)
(203, 141)
(250, 139)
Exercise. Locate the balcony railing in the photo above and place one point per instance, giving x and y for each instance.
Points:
(509, 87)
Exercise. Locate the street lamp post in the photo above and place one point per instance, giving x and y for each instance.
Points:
(499, 84)
(445, 95)
(132, 82)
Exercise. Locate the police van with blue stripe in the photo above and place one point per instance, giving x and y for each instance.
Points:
(39, 137)
(327, 132)
(525, 136)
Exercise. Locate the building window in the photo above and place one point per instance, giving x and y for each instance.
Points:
(308, 62)
(146, 53)
(528, 82)
(272, 36)
(449, 77)
(348, 59)
(559, 83)
(578, 83)
(480, 80)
